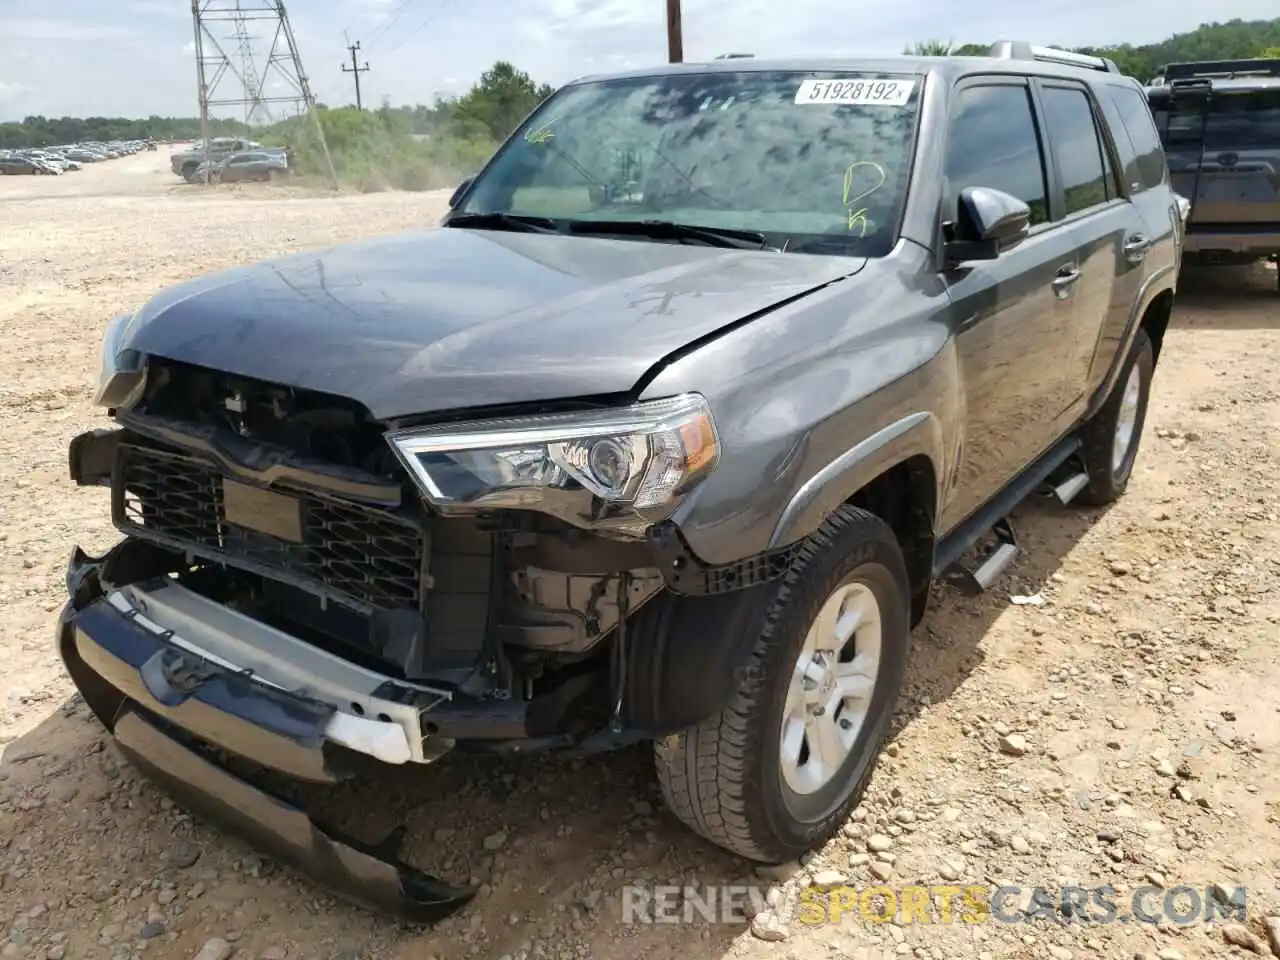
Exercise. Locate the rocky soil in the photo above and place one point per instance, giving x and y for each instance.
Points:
(1109, 715)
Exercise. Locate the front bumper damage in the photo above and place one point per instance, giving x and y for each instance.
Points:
(172, 706)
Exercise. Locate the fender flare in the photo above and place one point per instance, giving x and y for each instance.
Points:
(916, 434)
(1155, 285)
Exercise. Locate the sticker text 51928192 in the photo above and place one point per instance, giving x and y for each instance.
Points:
(860, 92)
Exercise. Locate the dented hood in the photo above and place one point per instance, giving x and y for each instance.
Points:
(450, 318)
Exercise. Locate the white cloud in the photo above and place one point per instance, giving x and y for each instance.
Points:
(61, 31)
(12, 90)
(135, 58)
(160, 8)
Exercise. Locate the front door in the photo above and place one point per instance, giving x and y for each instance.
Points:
(1013, 315)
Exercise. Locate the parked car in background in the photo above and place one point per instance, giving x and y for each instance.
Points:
(264, 164)
(83, 155)
(254, 165)
(13, 165)
(186, 162)
(63, 158)
(1219, 122)
(46, 159)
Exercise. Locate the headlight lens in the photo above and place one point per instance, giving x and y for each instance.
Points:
(597, 468)
(121, 373)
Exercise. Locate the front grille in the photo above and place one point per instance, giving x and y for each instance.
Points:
(363, 557)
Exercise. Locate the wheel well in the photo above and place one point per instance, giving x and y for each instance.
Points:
(1156, 320)
(905, 497)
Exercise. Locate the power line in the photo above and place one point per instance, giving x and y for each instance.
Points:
(355, 70)
(390, 22)
(440, 6)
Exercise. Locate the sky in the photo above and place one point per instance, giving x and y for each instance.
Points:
(134, 58)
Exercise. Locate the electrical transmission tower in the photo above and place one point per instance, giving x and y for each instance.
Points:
(254, 109)
(281, 85)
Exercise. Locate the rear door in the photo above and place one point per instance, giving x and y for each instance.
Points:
(1224, 151)
(1108, 238)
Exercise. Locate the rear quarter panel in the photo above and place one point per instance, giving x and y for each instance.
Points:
(1156, 209)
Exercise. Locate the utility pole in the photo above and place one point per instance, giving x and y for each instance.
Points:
(355, 70)
(675, 39)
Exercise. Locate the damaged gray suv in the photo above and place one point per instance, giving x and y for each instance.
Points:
(663, 436)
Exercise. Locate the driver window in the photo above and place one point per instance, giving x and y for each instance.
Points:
(994, 143)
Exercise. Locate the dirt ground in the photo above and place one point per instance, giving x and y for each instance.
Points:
(1136, 696)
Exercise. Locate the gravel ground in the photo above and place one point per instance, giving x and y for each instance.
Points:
(1121, 728)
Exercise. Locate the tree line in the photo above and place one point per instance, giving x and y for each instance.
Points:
(504, 94)
(1233, 40)
(425, 146)
(492, 108)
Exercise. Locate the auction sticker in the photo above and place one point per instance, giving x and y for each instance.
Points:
(860, 92)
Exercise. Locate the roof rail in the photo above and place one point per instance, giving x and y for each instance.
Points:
(735, 56)
(1018, 50)
(1223, 69)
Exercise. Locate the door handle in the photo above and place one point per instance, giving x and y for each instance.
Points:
(1064, 279)
(1136, 247)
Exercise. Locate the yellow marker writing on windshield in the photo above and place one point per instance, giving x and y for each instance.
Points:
(858, 216)
(541, 135)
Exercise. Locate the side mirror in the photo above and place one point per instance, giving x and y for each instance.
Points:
(987, 223)
(458, 191)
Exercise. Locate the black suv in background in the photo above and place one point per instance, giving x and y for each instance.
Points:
(664, 436)
(1220, 125)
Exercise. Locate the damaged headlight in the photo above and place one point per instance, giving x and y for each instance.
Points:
(620, 468)
(122, 373)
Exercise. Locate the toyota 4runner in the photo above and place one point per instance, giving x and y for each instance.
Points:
(662, 436)
(1220, 125)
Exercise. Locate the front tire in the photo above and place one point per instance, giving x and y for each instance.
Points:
(1114, 434)
(777, 772)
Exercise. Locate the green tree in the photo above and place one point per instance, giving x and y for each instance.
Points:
(1232, 40)
(930, 48)
(503, 97)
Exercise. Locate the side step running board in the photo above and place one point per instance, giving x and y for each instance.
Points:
(1067, 490)
(996, 562)
(992, 519)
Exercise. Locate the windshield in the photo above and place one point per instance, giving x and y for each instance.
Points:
(814, 162)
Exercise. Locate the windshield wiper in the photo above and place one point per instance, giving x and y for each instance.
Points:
(503, 221)
(669, 230)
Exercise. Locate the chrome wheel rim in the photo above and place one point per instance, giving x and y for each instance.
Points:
(1126, 420)
(831, 688)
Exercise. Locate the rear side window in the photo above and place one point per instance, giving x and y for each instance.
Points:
(1082, 162)
(1139, 124)
(994, 143)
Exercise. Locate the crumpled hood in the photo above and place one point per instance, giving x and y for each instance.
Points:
(450, 318)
